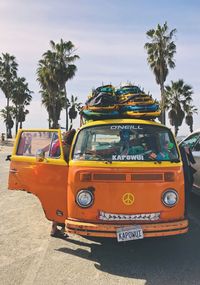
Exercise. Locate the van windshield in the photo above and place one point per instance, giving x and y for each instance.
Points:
(125, 142)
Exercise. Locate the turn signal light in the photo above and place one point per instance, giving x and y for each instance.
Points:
(169, 176)
(84, 177)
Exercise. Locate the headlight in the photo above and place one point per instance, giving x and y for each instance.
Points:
(84, 198)
(170, 198)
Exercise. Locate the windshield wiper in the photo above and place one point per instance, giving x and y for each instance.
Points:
(157, 161)
(94, 155)
(99, 156)
(176, 160)
(154, 158)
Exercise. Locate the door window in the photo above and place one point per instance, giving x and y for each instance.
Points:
(31, 142)
(191, 141)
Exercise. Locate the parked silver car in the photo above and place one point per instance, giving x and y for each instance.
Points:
(193, 141)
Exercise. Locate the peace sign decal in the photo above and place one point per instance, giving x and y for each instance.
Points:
(128, 199)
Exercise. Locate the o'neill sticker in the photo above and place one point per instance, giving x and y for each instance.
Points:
(126, 127)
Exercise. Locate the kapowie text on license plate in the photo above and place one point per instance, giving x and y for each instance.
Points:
(129, 233)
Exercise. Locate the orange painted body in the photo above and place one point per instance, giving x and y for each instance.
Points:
(108, 198)
(47, 182)
(109, 192)
(57, 183)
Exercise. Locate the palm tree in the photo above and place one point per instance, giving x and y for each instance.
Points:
(8, 73)
(47, 79)
(7, 114)
(160, 51)
(46, 102)
(178, 100)
(190, 110)
(74, 108)
(54, 70)
(66, 70)
(59, 104)
(21, 98)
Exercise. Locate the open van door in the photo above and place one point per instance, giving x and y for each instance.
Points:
(38, 167)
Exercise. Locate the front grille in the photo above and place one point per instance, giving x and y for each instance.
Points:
(127, 177)
(147, 176)
(106, 176)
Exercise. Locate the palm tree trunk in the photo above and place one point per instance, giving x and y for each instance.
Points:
(163, 121)
(66, 108)
(9, 133)
(176, 130)
(19, 117)
(71, 124)
(54, 115)
(16, 125)
(49, 120)
(191, 127)
(16, 119)
(8, 130)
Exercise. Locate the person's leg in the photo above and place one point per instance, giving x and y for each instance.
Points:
(54, 228)
(29, 149)
(55, 232)
(26, 148)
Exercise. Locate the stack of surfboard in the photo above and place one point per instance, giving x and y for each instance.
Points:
(133, 102)
(128, 101)
(101, 104)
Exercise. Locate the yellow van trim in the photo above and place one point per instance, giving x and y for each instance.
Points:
(141, 164)
(121, 121)
(32, 159)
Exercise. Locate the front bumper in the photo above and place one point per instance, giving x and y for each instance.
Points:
(109, 230)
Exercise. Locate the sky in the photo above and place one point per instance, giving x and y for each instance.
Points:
(109, 36)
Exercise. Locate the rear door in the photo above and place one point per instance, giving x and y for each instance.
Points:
(196, 154)
(46, 177)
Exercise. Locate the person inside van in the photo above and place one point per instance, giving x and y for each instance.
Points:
(129, 144)
(167, 151)
(124, 141)
(28, 141)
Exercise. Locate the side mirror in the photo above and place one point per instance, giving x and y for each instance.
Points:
(8, 158)
(40, 155)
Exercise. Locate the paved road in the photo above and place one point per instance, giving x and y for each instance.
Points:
(29, 256)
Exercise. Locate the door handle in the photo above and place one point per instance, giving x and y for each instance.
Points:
(13, 171)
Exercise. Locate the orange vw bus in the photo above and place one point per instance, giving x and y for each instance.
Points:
(124, 179)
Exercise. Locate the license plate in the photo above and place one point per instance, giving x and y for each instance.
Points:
(129, 233)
